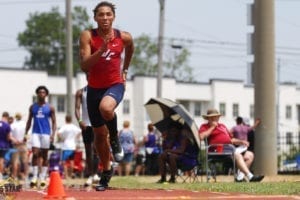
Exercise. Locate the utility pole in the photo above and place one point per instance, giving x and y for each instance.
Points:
(250, 31)
(69, 58)
(265, 88)
(160, 46)
(278, 97)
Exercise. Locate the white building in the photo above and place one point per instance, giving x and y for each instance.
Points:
(231, 97)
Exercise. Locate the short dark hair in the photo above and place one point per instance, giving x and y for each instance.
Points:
(239, 120)
(68, 118)
(5, 114)
(105, 3)
(150, 127)
(41, 87)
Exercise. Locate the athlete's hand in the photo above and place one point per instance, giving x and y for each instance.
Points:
(52, 138)
(25, 138)
(82, 125)
(104, 46)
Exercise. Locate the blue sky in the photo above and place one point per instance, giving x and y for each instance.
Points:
(213, 30)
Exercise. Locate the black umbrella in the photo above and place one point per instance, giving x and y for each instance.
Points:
(163, 112)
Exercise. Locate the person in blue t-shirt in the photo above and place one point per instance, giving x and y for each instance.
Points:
(42, 135)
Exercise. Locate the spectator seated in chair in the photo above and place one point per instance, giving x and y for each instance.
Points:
(217, 133)
(177, 148)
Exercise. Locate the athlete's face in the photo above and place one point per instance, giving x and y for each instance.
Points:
(104, 17)
(41, 94)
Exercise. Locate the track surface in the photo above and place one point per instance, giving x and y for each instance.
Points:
(130, 194)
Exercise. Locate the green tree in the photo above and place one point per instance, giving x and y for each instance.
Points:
(45, 35)
(44, 39)
(144, 61)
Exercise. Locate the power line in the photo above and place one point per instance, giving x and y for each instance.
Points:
(29, 2)
(35, 2)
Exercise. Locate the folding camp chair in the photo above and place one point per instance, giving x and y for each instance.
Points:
(188, 173)
(189, 167)
(219, 153)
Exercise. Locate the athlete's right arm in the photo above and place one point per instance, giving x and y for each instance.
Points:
(28, 123)
(87, 59)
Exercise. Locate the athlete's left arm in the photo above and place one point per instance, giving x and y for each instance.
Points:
(129, 49)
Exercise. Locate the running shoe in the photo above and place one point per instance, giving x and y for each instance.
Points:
(88, 182)
(96, 178)
(105, 178)
(33, 183)
(43, 184)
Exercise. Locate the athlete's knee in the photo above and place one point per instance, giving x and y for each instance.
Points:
(107, 114)
(107, 109)
(35, 155)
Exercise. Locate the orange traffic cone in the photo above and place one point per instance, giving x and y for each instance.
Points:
(56, 188)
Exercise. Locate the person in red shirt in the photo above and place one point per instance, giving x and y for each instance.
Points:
(100, 55)
(217, 133)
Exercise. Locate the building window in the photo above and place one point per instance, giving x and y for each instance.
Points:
(251, 111)
(60, 104)
(235, 110)
(126, 106)
(289, 138)
(197, 111)
(222, 108)
(288, 112)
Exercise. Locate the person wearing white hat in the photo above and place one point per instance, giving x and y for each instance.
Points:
(217, 133)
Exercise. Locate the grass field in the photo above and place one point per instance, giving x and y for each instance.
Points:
(277, 185)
